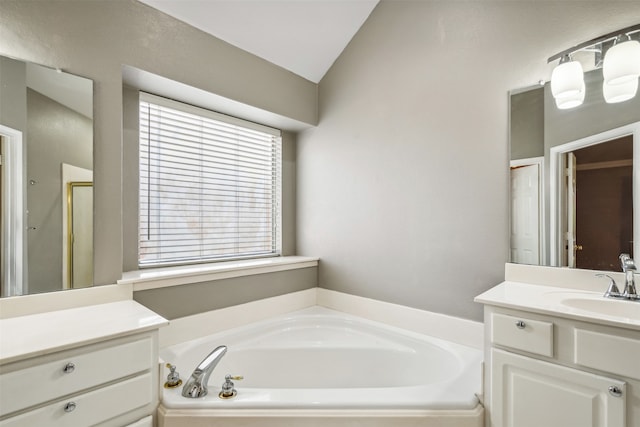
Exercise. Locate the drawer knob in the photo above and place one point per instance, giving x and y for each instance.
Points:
(520, 324)
(615, 391)
(70, 407)
(68, 368)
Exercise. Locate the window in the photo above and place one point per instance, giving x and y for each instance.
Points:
(209, 185)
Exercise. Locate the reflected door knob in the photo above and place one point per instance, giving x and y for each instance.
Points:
(615, 391)
(577, 247)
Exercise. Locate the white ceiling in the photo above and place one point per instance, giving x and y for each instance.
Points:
(72, 91)
(302, 36)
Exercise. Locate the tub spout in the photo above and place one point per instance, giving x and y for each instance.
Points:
(196, 385)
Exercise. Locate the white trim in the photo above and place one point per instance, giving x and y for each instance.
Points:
(154, 278)
(555, 154)
(528, 161)
(13, 243)
(542, 239)
(605, 165)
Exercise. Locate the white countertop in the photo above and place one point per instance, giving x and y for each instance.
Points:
(576, 304)
(37, 334)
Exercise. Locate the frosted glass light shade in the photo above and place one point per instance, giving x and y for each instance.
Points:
(622, 63)
(566, 102)
(567, 80)
(620, 92)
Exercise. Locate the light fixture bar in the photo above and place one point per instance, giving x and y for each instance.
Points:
(610, 36)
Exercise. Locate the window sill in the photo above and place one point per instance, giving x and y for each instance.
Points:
(143, 280)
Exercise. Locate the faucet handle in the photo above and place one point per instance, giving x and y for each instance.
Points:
(627, 263)
(612, 290)
(228, 388)
(173, 379)
(235, 378)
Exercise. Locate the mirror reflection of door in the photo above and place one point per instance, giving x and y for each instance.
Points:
(77, 227)
(526, 241)
(80, 234)
(572, 246)
(603, 205)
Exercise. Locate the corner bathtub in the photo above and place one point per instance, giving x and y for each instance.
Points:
(316, 363)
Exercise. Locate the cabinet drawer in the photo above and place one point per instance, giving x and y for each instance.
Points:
(609, 353)
(89, 408)
(38, 384)
(521, 333)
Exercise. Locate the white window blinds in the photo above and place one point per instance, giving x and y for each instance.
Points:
(209, 185)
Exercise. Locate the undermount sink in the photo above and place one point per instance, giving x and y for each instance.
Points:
(604, 306)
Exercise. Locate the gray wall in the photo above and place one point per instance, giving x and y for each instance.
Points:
(13, 94)
(403, 186)
(179, 301)
(527, 124)
(56, 135)
(95, 38)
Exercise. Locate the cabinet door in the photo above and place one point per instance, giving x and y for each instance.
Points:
(531, 393)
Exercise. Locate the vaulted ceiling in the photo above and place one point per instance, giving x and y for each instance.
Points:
(302, 36)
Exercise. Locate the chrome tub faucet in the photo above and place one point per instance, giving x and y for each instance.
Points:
(196, 385)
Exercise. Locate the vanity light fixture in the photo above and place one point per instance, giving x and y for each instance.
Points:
(621, 68)
(622, 61)
(621, 92)
(567, 83)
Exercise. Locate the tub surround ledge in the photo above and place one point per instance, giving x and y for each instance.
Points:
(458, 330)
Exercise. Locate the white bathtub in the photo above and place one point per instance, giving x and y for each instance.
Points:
(321, 359)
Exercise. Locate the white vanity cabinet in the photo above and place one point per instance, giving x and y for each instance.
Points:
(543, 370)
(105, 377)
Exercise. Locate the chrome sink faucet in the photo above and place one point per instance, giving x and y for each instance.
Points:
(196, 385)
(628, 268)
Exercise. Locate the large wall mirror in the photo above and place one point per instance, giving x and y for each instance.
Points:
(574, 178)
(46, 134)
